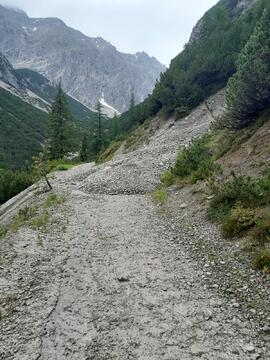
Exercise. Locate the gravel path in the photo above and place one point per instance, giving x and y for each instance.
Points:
(108, 279)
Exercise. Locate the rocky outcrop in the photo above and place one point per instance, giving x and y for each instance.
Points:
(7, 74)
(87, 67)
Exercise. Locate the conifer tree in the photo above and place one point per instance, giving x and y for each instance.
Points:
(60, 127)
(84, 149)
(131, 109)
(115, 127)
(248, 91)
(99, 129)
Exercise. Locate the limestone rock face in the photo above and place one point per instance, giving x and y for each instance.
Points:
(7, 74)
(89, 68)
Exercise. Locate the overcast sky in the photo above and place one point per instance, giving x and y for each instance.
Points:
(158, 27)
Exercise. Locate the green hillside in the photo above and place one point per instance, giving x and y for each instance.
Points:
(43, 88)
(203, 67)
(23, 128)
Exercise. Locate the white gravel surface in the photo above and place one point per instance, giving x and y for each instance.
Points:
(108, 279)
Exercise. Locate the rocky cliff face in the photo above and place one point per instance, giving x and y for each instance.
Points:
(7, 74)
(88, 67)
(236, 8)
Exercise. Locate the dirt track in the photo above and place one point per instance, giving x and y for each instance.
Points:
(109, 279)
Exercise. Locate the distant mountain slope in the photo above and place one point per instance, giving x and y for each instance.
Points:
(88, 67)
(25, 99)
(42, 87)
(22, 132)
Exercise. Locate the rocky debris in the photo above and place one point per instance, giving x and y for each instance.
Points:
(112, 277)
(139, 171)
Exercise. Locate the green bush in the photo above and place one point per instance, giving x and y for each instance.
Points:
(63, 167)
(168, 178)
(262, 260)
(247, 191)
(239, 220)
(182, 111)
(12, 183)
(261, 232)
(197, 162)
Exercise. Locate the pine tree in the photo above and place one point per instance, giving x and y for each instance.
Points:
(131, 110)
(115, 126)
(84, 149)
(248, 92)
(99, 129)
(60, 127)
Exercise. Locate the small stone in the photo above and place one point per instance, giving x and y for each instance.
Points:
(183, 206)
(197, 350)
(249, 348)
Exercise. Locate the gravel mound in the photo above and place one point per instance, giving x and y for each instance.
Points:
(140, 170)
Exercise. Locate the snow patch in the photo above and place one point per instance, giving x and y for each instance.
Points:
(107, 109)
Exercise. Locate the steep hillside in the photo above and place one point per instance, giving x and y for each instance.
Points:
(46, 90)
(23, 129)
(26, 97)
(205, 64)
(88, 67)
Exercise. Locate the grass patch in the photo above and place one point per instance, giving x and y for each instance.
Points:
(63, 167)
(136, 135)
(3, 231)
(160, 195)
(39, 222)
(32, 216)
(54, 200)
(107, 155)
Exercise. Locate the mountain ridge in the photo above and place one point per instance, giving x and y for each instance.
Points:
(87, 67)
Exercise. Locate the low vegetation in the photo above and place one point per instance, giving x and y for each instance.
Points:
(108, 154)
(34, 216)
(160, 195)
(12, 183)
(262, 260)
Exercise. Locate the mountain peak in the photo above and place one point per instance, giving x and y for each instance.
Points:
(14, 9)
(87, 66)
